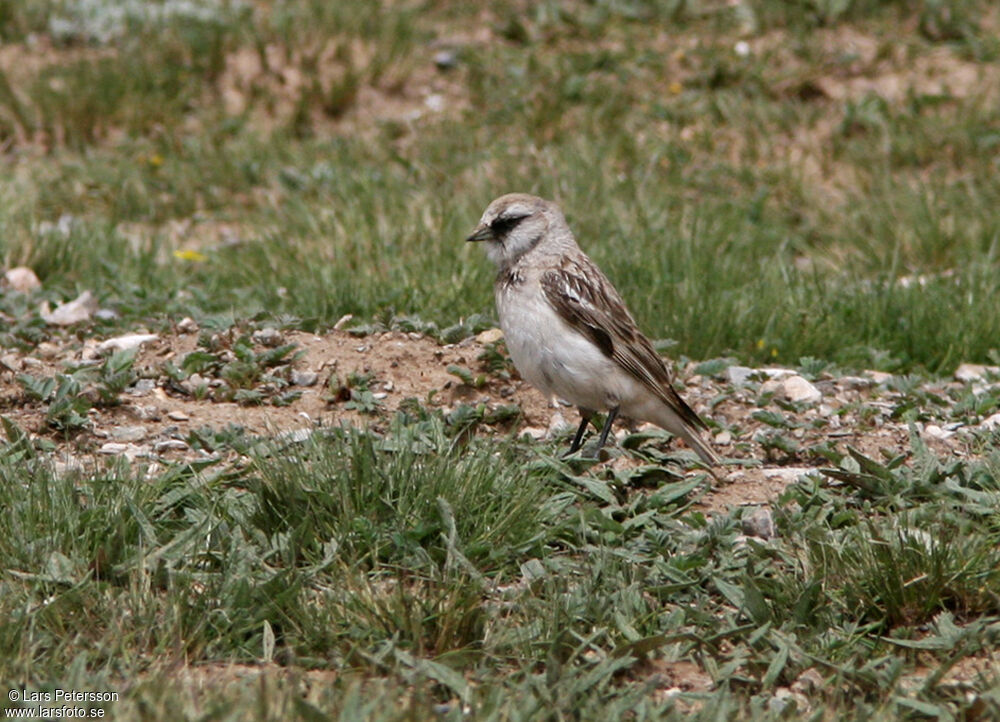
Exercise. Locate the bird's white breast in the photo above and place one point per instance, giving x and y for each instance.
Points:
(551, 355)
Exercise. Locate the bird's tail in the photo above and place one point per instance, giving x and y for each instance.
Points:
(694, 440)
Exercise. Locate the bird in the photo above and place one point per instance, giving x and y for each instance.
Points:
(567, 329)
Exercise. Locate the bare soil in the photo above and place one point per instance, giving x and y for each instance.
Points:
(156, 414)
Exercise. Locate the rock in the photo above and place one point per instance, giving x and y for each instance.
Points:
(759, 523)
(445, 59)
(799, 390)
(187, 325)
(304, 378)
(738, 375)
(145, 412)
(787, 474)
(855, 383)
(490, 335)
(785, 701)
(68, 466)
(879, 377)
(72, 312)
(344, 320)
(723, 438)
(195, 383)
(21, 279)
(557, 425)
(934, 431)
(47, 350)
(142, 387)
(533, 432)
(269, 337)
(11, 362)
(129, 451)
(106, 314)
(128, 433)
(968, 373)
(125, 343)
(296, 436)
(809, 682)
(170, 445)
(772, 386)
(177, 415)
(991, 423)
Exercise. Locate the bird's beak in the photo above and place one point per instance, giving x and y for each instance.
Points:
(482, 233)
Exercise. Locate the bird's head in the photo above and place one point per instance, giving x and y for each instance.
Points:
(516, 223)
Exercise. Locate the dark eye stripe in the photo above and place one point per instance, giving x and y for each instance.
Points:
(503, 225)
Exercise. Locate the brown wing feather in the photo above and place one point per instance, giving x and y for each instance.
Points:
(587, 301)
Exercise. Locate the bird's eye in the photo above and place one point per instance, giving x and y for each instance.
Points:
(502, 225)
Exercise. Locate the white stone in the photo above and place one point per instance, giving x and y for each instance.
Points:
(11, 362)
(21, 279)
(268, 337)
(490, 335)
(800, 390)
(296, 436)
(991, 423)
(177, 416)
(855, 383)
(934, 431)
(738, 374)
(128, 433)
(304, 378)
(557, 425)
(975, 372)
(187, 325)
(787, 473)
(126, 342)
(78, 310)
(171, 445)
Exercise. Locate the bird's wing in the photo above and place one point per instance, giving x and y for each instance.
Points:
(585, 299)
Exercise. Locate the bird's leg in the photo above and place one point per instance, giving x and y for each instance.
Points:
(607, 427)
(578, 439)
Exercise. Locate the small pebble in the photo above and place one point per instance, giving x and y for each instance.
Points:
(171, 445)
(269, 337)
(128, 433)
(304, 378)
(126, 342)
(21, 279)
(445, 59)
(142, 387)
(800, 390)
(47, 350)
(758, 523)
(187, 325)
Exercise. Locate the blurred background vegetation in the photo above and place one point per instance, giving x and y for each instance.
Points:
(766, 179)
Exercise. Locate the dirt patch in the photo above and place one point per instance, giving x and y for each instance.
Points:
(769, 443)
(336, 89)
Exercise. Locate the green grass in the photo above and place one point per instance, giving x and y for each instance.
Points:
(674, 158)
(418, 575)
